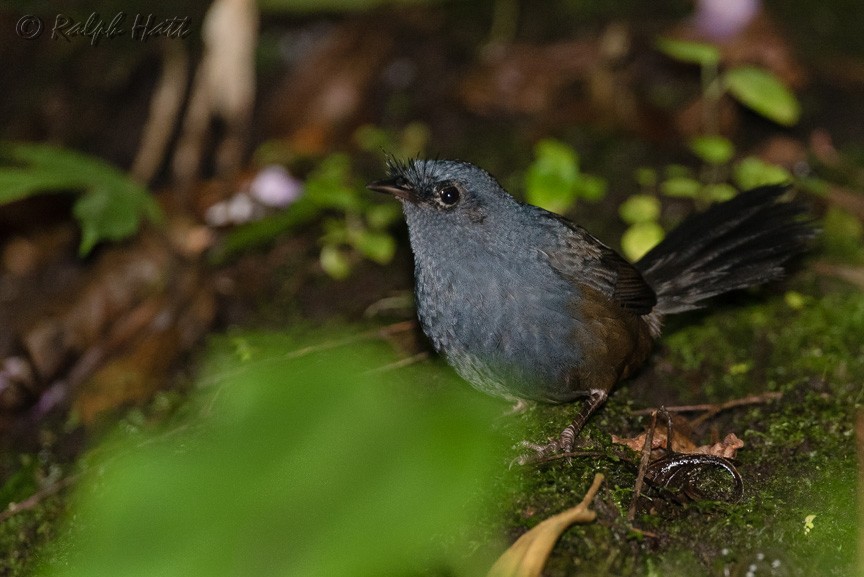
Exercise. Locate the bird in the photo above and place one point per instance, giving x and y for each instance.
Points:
(526, 305)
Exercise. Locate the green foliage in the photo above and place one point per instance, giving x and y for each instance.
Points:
(681, 186)
(756, 88)
(641, 237)
(691, 52)
(639, 208)
(407, 143)
(554, 181)
(333, 188)
(355, 222)
(842, 235)
(764, 93)
(310, 462)
(110, 205)
(752, 172)
(713, 149)
(753, 87)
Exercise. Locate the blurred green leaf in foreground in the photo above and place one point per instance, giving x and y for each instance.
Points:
(308, 461)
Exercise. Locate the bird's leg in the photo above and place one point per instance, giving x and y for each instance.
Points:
(564, 442)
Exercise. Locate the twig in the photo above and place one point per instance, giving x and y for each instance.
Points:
(407, 361)
(853, 275)
(714, 408)
(380, 333)
(33, 500)
(643, 467)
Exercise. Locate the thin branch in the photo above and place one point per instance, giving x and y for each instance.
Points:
(713, 408)
(36, 498)
(643, 467)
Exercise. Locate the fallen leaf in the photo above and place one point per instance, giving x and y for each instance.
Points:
(727, 448)
(528, 555)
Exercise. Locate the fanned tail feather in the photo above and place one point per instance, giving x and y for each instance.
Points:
(736, 244)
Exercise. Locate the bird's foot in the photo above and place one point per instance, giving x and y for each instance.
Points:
(563, 445)
(540, 453)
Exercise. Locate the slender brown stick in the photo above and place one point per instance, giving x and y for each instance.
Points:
(714, 408)
(33, 500)
(643, 466)
(404, 362)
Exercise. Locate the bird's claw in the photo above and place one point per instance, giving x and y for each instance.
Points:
(540, 453)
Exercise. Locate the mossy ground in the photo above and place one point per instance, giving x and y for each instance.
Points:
(799, 459)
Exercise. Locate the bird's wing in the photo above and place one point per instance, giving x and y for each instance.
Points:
(584, 260)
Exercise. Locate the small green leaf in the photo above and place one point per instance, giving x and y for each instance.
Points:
(842, 234)
(681, 186)
(795, 300)
(763, 92)
(640, 238)
(551, 178)
(109, 214)
(645, 176)
(376, 246)
(371, 138)
(330, 185)
(719, 192)
(590, 187)
(713, 149)
(676, 170)
(752, 172)
(691, 52)
(380, 216)
(111, 205)
(334, 262)
(639, 208)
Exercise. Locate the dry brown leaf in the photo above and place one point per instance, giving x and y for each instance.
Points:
(528, 555)
(727, 448)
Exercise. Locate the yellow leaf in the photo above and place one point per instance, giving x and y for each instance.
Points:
(528, 555)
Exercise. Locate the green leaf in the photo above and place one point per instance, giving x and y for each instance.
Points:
(380, 216)
(551, 179)
(334, 262)
(676, 170)
(719, 192)
(376, 246)
(752, 172)
(691, 52)
(111, 205)
(764, 93)
(713, 149)
(331, 185)
(645, 176)
(590, 187)
(842, 234)
(306, 459)
(640, 238)
(372, 138)
(639, 208)
(681, 186)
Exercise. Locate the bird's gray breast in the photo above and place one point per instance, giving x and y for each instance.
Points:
(503, 321)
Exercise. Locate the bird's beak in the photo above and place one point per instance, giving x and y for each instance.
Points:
(395, 186)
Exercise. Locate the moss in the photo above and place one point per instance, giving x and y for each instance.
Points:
(799, 459)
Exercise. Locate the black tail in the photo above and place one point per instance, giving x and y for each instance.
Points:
(733, 245)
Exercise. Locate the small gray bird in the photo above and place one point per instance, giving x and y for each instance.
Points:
(524, 304)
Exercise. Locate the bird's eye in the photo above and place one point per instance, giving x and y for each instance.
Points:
(449, 195)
